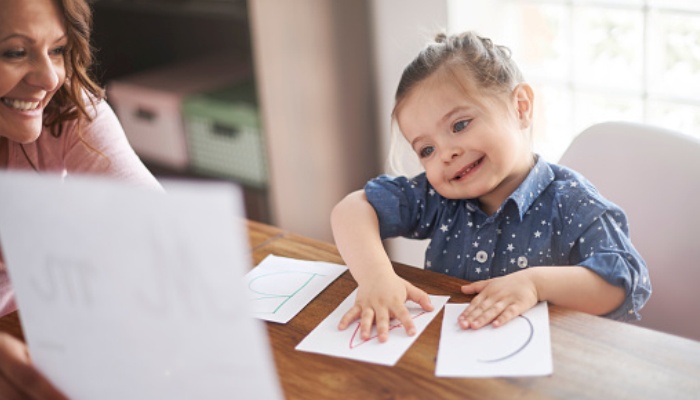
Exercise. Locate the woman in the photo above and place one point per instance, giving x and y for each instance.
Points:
(53, 118)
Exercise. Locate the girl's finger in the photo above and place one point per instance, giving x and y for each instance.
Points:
(475, 287)
(488, 315)
(352, 315)
(474, 311)
(508, 314)
(366, 322)
(406, 320)
(420, 297)
(382, 321)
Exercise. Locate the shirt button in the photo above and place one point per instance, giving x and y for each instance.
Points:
(522, 261)
(482, 256)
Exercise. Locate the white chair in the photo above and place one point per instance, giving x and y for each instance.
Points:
(654, 175)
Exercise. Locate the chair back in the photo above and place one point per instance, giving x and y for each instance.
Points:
(654, 175)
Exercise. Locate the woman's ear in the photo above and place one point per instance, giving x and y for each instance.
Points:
(523, 96)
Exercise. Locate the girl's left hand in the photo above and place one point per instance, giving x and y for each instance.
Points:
(498, 300)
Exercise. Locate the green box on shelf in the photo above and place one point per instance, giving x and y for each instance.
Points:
(224, 136)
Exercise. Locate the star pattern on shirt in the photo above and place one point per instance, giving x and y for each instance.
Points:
(528, 229)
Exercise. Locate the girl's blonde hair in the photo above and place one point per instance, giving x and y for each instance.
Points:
(477, 64)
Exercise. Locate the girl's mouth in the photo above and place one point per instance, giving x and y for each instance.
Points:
(21, 105)
(464, 171)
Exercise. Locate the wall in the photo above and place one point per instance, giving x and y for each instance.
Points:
(400, 30)
(314, 80)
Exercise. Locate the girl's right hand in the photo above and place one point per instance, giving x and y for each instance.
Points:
(18, 377)
(380, 301)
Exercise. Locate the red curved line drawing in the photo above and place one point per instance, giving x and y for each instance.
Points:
(391, 327)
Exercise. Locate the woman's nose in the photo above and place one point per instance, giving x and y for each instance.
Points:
(45, 73)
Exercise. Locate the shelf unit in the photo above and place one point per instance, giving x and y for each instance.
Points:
(131, 36)
(312, 67)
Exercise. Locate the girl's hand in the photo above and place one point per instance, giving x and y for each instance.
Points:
(381, 300)
(498, 300)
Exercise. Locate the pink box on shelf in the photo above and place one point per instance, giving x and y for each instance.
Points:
(149, 104)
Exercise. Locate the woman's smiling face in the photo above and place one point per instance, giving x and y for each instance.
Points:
(469, 150)
(32, 46)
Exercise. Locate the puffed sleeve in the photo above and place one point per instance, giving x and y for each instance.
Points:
(604, 246)
(403, 205)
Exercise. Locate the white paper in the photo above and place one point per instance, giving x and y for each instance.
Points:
(280, 287)
(521, 347)
(134, 294)
(327, 339)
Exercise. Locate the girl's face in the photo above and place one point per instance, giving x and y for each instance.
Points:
(469, 150)
(32, 44)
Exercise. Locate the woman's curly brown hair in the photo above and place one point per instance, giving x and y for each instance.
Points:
(69, 102)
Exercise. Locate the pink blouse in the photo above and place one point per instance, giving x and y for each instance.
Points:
(103, 150)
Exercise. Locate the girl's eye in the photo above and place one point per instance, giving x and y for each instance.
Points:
(426, 151)
(459, 126)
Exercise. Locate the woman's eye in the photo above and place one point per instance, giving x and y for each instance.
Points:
(59, 51)
(426, 151)
(459, 126)
(14, 54)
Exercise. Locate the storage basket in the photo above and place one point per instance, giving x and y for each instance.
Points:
(224, 136)
(149, 104)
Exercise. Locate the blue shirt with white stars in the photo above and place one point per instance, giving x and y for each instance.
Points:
(555, 217)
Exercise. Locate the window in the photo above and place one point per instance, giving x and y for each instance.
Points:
(591, 61)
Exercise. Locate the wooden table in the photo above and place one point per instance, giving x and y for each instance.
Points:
(593, 357)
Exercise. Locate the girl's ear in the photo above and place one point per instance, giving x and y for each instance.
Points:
(523, 96)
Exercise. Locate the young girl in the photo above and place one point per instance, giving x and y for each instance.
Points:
(520, 229)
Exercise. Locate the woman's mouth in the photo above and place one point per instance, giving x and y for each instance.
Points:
(464, 171)
(21, 105)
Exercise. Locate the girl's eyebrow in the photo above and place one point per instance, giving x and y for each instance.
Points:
(417, 139)
(455, 110)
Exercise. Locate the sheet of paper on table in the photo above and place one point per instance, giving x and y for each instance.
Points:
(522, 347)
(327, 339)
(280, 287)
(127, 293)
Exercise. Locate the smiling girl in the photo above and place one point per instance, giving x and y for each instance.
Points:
(522, 230)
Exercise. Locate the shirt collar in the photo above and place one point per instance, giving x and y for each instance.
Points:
(540, 176)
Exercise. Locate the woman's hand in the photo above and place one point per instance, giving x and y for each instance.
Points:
(498, 300)
(381, 300)
(18, 377)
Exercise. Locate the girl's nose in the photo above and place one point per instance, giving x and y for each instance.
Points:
(451, 153)
(45, 73)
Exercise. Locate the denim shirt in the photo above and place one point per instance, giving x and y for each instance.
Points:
(555, 217)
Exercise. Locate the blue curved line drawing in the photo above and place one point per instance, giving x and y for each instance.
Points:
(518, 350)
(286, 297)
